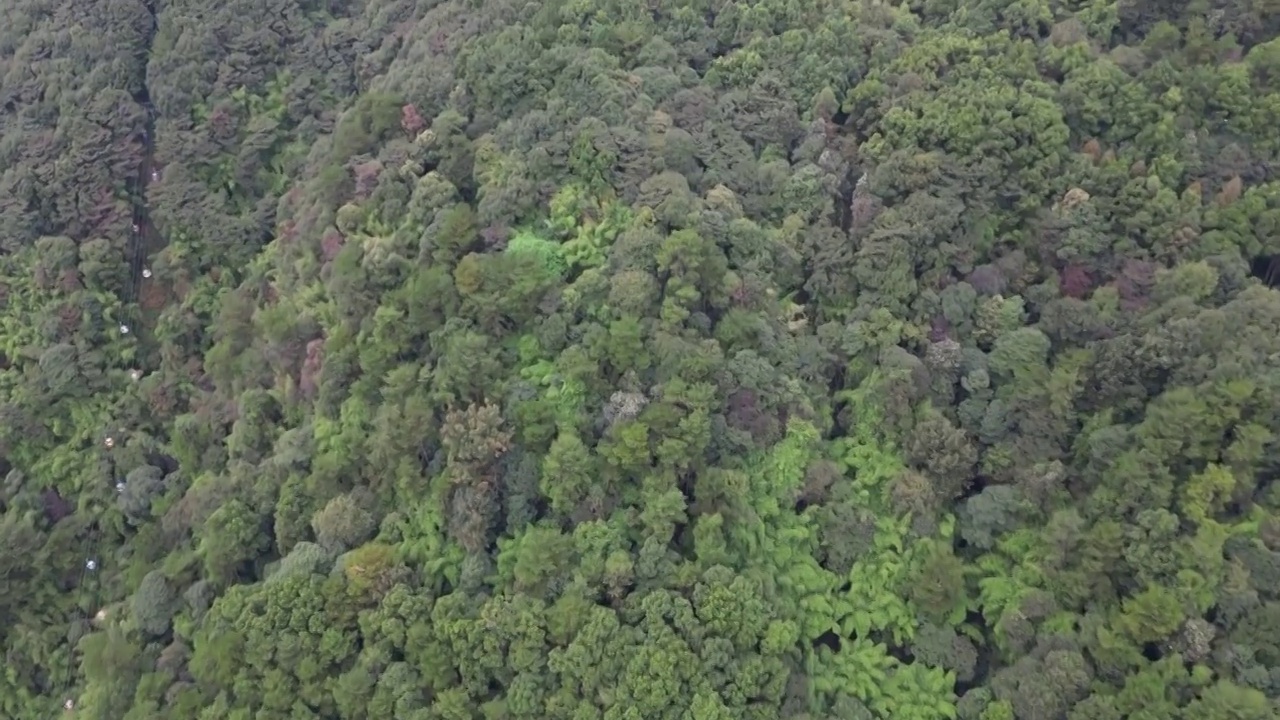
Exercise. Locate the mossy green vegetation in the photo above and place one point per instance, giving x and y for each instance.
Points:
(607, 361)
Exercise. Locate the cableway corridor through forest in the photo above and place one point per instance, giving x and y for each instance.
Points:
(608, 360)
(145, 240)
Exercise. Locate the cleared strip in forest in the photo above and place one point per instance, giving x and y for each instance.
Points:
(143, 240)
(146, 239)
(136, 251)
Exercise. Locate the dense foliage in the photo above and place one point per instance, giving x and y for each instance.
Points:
(620, 360)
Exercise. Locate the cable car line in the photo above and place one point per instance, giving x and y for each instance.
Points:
(90, 567)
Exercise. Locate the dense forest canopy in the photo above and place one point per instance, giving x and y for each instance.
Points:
(622, 360)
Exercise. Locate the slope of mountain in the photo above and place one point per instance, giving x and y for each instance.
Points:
(680, 359)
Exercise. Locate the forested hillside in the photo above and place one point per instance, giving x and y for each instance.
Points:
(640, 359)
